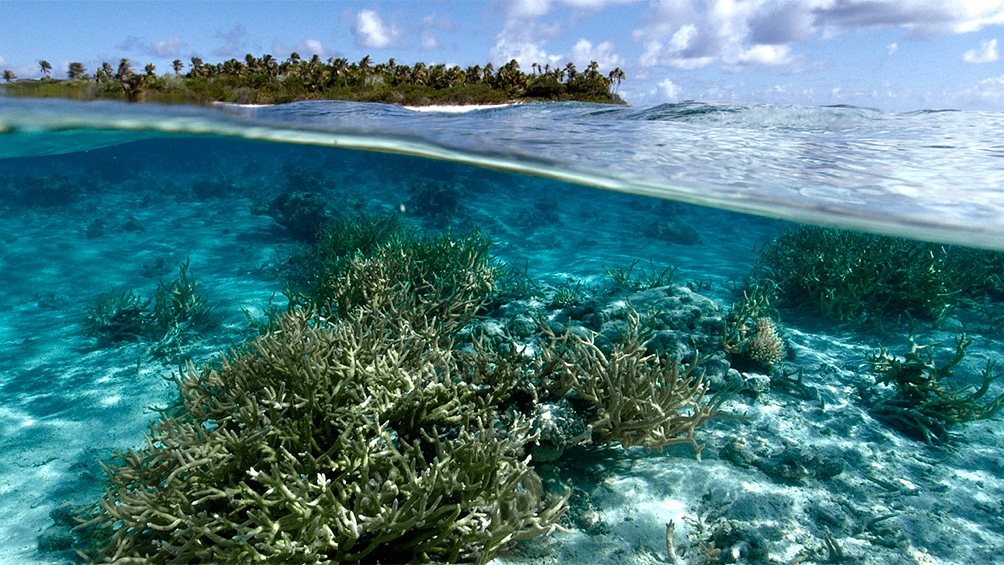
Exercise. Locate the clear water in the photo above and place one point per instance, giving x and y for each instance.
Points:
(106, 196)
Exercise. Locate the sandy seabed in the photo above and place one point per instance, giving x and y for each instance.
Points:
(782, 479)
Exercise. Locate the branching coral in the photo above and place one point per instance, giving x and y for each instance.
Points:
(639, 399)
(411, 277)
(353, 441)
(355, 431)
(119, 316)
(851, 275)
(439, 202)
(750, 334)
(925, 407)
(178, 313)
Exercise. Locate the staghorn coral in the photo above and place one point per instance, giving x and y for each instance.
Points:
(118, 316)
(353, 430)
(356, 430)
(924, 406)
(178, 315)
(327, 443)
(638, 398)
(854, 276)
(412, 277)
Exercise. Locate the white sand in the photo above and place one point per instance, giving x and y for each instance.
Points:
(458, 109)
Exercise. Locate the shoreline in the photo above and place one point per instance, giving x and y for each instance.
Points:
(458, 108)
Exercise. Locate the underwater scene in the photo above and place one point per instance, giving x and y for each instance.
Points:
(333, 332)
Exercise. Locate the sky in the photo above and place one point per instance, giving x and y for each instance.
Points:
(894, 55)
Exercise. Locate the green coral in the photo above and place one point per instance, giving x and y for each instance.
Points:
(329, 443)
(119, 316)
(411, 276)
(857, 276)
(924, 406)
(355, 429)
(637, 398)
(353, 432)
(173, 317)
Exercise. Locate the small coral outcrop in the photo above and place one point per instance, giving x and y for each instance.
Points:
(924, 406)
(636, 397)
(765, 345)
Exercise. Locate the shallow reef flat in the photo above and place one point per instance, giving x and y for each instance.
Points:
(611, 336)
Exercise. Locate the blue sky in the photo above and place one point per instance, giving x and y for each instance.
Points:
(889, 54)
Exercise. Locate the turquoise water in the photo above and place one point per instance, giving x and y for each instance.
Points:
(100, 198)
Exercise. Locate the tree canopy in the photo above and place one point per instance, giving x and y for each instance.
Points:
(266, 80)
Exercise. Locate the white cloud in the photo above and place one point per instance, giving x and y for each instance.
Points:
(311, 46)
(891, 49)
(528, 9)
(691, 34)
(668, 91)
(987, 93)
(370, 31)
(432, 26)
(167, 48)
(920, 17)
(535, 8)
(234, 41)
(985, 53)
(766, 55)
(522, 47)
(524, 37)
(583, 52)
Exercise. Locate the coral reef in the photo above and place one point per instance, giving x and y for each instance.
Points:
(637, 398)
(304, 214)
(855, 276)
(437, 202)
(924, 406)
(178, 315)
(119, 316)
(353, 441)
(376, 421)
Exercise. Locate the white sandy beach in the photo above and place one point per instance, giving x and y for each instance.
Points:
(458, 109)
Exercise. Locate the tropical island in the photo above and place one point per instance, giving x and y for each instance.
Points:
(266, 80)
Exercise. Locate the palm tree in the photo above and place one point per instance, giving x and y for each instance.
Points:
(45, 67)
(125, 69)
(178, 66)
(76, 71)
(198, 67)
(570, 71)
(8, 75)
(149, 69)
(269, 64)
(616, 76)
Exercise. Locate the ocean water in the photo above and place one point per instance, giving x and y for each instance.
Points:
(666, 208)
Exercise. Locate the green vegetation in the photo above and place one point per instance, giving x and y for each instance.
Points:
(265, 80)
(923, 406)
(364, 426)
(854, 276)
